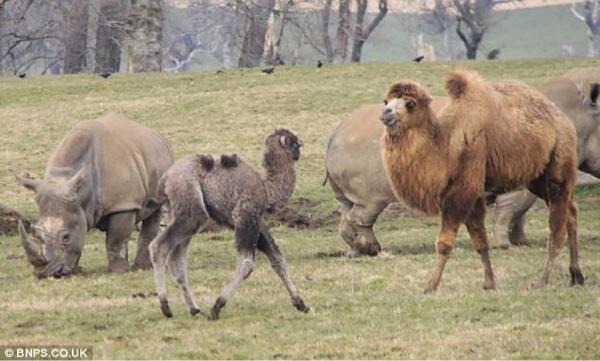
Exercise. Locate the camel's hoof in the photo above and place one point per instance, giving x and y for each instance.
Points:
(489, 286)
(300, 305)
(577, 278)
(165, 309)
(501, 246)
(430, 290)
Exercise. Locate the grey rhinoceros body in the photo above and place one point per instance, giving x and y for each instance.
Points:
(99, 176)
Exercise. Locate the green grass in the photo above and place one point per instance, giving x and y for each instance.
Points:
(362, 308)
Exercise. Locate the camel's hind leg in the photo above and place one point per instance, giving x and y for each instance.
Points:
(178, 266)
(267, 244)
(557, 196)
(476, 228)
(576, 275)
(246, 235)
(159, 249)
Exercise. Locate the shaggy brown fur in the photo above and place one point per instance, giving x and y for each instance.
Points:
(492, 138)
(234, 194)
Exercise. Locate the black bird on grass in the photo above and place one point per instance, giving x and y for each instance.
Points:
(319, 64)
(268, 70)
(22, 75)
(105, 74)
(418, 59)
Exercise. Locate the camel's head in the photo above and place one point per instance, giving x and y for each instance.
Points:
(283, 141)
(403, 104)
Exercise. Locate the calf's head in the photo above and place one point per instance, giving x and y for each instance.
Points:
(56, 240)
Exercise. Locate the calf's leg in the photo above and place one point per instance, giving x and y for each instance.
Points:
(246, 235)
(267, 244)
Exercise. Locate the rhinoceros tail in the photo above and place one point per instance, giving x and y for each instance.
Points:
(326, 178)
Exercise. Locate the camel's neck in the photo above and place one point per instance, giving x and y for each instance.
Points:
(280, 178)
(416, 164)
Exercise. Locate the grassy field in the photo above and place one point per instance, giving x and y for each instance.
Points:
(362, 308)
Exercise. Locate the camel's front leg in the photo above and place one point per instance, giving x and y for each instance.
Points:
(444, 245)
(476, 228)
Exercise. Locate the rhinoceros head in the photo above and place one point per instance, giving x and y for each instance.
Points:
(57, 238)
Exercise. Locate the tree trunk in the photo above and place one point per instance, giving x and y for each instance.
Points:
(343, 31)
(325, 18)
(109, 37)
(144, 33)
(254, 40)
(76, 36)
(360, 34)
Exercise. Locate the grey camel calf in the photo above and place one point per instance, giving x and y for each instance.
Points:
(232, 193)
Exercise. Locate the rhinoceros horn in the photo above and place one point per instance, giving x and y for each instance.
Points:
(32, 249)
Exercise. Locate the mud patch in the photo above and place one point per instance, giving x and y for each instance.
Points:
(9, 220)
(300, 213)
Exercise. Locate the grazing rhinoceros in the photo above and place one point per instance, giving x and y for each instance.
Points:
(99, 176)
(575, 93)
(356, 175)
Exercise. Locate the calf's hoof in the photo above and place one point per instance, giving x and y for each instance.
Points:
(300, 305)
(216, 309)
(577, 278)
(165, 309)
(489, 285)
(430, 288)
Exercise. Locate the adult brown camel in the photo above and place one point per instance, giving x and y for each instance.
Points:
(449, 163)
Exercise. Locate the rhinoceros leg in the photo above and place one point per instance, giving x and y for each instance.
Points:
(120, 227)
(356, 228)
(509, 218)
(150, 227)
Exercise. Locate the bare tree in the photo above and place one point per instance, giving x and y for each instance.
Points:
(76, 31)
(343, 31)
(30, 35)
(325, 19)
(476, 16)
(591, 18)
(144, 35)
(361, 34)
(258, 12)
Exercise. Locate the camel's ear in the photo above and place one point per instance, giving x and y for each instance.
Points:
(594, 92)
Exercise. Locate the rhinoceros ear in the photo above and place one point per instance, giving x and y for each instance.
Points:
(74, 185)
(29, 183)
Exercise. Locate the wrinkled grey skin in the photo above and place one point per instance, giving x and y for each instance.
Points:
(575, 93)
(99, 176)
(356, 175)
(234, 194)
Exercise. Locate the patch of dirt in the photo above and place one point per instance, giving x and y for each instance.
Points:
(299, 213)
(9, 220)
